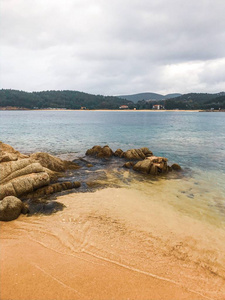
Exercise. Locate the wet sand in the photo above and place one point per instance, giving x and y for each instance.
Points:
(112, 244)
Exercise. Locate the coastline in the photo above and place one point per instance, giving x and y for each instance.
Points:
(106, 110)
(115, 243)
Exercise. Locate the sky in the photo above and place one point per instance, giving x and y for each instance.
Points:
(113, 47)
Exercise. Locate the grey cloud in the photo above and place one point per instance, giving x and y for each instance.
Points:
(113, 47)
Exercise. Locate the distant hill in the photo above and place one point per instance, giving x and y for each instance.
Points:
(76, 100)
(148, 96)
(59, 99)
(197, 101)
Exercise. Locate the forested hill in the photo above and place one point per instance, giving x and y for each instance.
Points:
(59, 99)
(197, 101)
(148, 96)
(76, 100)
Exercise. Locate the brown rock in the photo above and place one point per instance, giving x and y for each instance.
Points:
(100, 152)
(24, 184)
(10, 208)
(152, 165)
(8, 153)
(93, 151)
(137, 154)
(77, 184)
(13, 169)
(54, 188)
(118, 153)
(143, 166)
(128, 165)
(176, 167)
(52, 163)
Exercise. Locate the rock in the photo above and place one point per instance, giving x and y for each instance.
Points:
(152, 165)
(118, 153)
(77, 184)
(53, 163)
(10, 208)
(176, 167)
(100, 152)
(13, 169)
(24, 184)
(21, 175)
(128, 165)
(137, 154)
(8, 153)
(54, 188)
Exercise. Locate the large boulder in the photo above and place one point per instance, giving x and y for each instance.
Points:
(22, 174)
(53, 163)
(8, 153)
(118, 153)
(137, 154)
(152, 165)
(22, 185)
(176, 167)
(100, 152)
(10, 208)
(12, 169)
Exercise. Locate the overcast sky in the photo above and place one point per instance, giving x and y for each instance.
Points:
(113, 47)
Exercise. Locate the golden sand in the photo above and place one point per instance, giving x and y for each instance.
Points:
(112, 244)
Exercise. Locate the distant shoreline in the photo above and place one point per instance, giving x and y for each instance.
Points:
(108, 110)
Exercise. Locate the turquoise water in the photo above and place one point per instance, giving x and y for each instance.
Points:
(194, 140)
(191, 139)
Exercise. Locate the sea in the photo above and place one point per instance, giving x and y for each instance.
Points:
(195, 140)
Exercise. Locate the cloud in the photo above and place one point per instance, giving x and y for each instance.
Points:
(113, 47)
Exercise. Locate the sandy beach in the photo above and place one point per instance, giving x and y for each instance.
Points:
(112, 244)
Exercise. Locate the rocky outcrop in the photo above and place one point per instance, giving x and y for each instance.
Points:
(54, 188)
(137, 154)
(53, 163)
(10, 208)
(21, 175)
(140, 160)
(8, 153)
(152, 165)
(100, 152)
(106, 152)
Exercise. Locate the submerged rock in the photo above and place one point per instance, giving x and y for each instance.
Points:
(176, 167)
(100, 152)
(10, 208)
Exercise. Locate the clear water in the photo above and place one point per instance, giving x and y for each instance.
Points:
(194, 140)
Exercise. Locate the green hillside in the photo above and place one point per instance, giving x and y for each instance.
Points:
(197, 101)
(59, 99)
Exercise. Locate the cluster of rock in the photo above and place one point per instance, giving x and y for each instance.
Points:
(140, 160)
(35, 176)
(22, 175)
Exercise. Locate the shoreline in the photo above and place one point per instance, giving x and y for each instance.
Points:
(107, 110)
(115, 243)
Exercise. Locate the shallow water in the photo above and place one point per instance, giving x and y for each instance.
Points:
(170, 229)
(194, 140)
